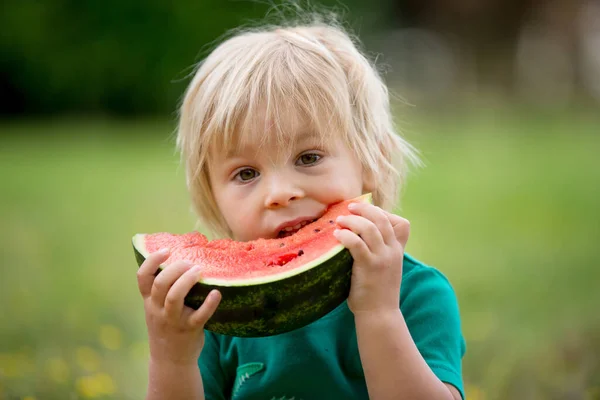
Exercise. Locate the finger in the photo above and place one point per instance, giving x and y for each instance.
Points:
(180, 288)
(147, 271)
(350, 240)
(165, 280)
(401, 228)
(208, 308)
(377, 216)
(365, 229)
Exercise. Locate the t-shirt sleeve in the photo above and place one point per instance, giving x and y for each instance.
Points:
(431, 312)
(213, 376)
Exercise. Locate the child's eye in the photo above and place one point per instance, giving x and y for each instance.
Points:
(308, 159)
(246, 174)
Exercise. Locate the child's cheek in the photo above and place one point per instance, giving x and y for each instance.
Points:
(339, 190)
(245, 226)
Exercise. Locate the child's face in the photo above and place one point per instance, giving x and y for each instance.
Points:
(262, 195)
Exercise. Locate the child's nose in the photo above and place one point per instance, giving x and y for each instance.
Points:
(280, 193)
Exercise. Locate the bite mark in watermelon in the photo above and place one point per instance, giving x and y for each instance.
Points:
(268, 286)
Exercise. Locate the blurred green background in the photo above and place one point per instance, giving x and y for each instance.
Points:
(501, 98)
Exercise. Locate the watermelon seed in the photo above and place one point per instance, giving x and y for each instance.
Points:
(301, 252)
(331, 221)
(317, 230)
(281, 244)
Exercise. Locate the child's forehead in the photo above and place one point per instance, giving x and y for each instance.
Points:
(258, 141)
(281, 133)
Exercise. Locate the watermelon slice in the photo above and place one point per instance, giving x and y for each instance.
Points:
(268, 286)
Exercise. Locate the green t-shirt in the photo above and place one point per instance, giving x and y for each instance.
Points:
(321, 360)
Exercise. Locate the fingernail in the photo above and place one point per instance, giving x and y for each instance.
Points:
(196, 268)
(338, 219)
(336, 232)
(164, 250)
(352, 206)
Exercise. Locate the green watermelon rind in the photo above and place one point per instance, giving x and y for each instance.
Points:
(274, 304)
(277, 307)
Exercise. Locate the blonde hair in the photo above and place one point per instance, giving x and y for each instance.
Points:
(315, 69)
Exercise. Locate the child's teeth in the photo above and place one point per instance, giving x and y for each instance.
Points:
(284, 232)
(295, 227)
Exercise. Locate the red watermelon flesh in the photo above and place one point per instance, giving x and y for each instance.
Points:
(227, 262)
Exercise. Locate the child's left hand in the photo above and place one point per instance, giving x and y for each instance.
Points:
(376, 239)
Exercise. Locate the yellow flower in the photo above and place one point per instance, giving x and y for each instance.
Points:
(87, 387)
(57, 369)
(106, 382)
(96, 385)
(110, 337)
(473, 392)
(88, 358)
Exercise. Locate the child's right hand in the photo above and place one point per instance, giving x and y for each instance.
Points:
(175, 331)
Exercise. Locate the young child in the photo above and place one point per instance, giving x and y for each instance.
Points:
(276, 125)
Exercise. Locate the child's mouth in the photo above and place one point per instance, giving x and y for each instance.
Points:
(290, 230)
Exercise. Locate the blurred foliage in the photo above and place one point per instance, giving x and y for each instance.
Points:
(119, 57)
(507, 208)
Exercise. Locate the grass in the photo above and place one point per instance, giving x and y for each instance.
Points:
(507, 208)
